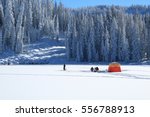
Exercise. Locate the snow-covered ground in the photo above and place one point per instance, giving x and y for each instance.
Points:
(51, 82)
(45, 51)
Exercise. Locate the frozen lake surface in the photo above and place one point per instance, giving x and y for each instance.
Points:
(47, 82)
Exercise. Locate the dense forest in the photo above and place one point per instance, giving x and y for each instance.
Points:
(100, 33)
(26, 21)
(109, 33)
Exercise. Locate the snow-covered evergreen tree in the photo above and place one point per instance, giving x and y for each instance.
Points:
(91, 42)
(147, 20)
(113, 40)
(1, 24)
(9, 23)
(135, 42)
(1, 15)
(69, 39)
(20, 30)
(123, 41)
(29, 21)
(57, 28)
(105, 46)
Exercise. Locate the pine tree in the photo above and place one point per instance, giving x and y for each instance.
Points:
(29, 21)
(101, 37)
(1, 14)
(9, 23)
(69, 40)
(105, 46)
(1, 24)
(113, 40)
(57, 28)
(136, 48)
(91, 42)
(19, 30)
(147, 20)
(124, 42)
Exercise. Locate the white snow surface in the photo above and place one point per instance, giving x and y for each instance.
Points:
(45, 51)
(50, 82)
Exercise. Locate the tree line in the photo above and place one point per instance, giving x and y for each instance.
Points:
(108, 33)
(101, 33)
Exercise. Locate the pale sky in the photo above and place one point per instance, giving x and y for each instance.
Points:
(84, 3)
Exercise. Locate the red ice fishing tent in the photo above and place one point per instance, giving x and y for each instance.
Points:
(114, 67)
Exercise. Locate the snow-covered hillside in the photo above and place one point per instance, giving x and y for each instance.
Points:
(45, 51)
(51, 82)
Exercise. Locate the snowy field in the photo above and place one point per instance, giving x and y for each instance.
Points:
(51, 82)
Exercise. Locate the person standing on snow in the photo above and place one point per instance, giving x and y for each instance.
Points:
(92, 69)
(64, 67)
